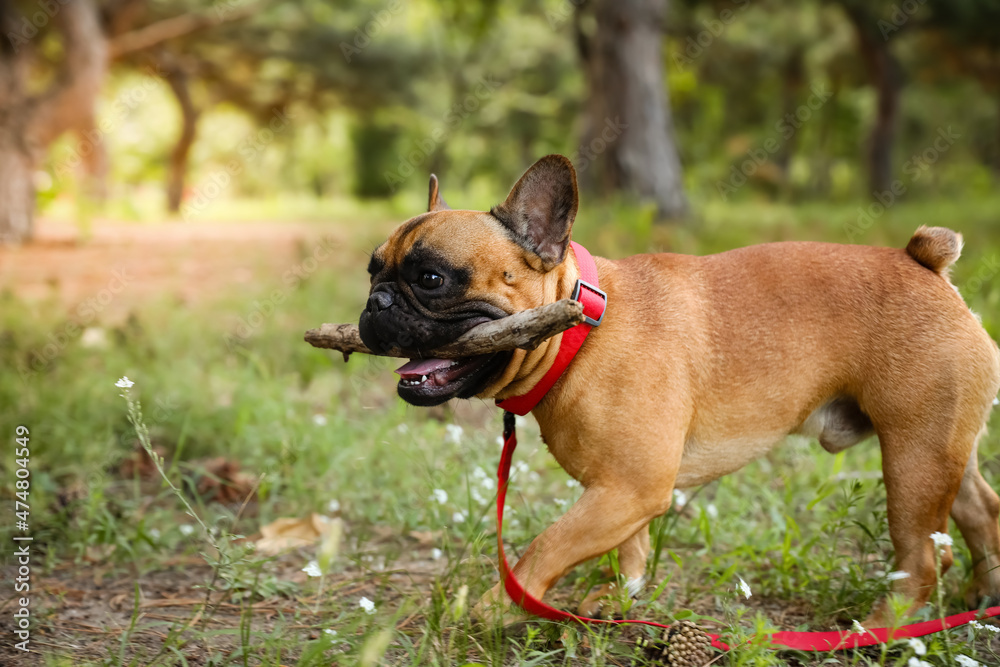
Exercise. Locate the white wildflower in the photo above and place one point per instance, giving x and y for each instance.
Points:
(744, 588)
(458, 517)
(982, 626)
(560, 502)
(367, 605)
(966, 661)
(402, 428)
(440, 495)
(572, 483)
(917, 662)
(453, 433)
(312, 569)
(333, 506)
(186, 529)
(319, 420)
(124, 383)
(154, 533)
(331, 632)
(436, 553)
(897, 575)
(500, 440)
(857, 628)
(941, 539)
(918, 646)
(996, 401)
(712, 511)
(680, 498)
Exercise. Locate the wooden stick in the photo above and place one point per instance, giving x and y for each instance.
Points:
(525, 330)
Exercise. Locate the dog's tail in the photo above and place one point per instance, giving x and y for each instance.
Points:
(937, 248)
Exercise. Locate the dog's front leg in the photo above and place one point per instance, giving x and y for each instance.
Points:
(603, 518)
(632, 555)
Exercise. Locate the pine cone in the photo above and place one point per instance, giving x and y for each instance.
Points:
(682, 645)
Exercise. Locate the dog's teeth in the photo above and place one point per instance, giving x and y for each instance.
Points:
(423, 378)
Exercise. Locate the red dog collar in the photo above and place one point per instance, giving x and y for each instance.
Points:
(595, 302)
(594, 305)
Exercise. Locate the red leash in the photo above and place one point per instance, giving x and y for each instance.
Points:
(594, 305)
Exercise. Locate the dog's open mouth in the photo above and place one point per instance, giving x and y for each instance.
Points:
(434, 381)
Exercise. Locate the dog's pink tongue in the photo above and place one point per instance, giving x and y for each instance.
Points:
(423, 366)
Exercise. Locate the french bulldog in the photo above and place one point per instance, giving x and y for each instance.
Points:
(701, 365)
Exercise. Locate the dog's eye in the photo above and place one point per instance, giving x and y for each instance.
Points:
(430, 280)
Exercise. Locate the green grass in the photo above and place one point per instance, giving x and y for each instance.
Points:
(806, 530)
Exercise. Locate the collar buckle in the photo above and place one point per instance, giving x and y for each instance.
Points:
(593, 289)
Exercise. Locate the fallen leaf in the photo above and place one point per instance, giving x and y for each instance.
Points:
(138, 464)
(290, 533)
(221, 480)
(427, 537)
(98, 553)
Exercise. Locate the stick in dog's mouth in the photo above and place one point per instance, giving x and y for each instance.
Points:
(523, 330)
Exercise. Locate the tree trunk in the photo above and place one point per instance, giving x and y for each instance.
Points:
(30, 123)
(17, 191)
(630, 129)
(178, 80)
(792, 80)
(886, 76)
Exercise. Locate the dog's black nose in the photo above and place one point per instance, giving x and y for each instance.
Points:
(379, 301)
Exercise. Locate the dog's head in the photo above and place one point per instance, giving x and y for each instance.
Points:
(443, 272)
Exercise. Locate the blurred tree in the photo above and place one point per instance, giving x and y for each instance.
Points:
(65, 48)
(885, 75)
(629, 128)
(285, 53)
(965, 35)
(69, 46)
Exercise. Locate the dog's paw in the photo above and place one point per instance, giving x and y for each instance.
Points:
(609, 601)
(977, 598)
(601, 603)
(495, 608)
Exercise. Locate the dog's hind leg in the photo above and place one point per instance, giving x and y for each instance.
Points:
(632, 554)
(976, 510)
(923, 470)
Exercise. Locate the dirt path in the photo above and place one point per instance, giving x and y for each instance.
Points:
(133, 263)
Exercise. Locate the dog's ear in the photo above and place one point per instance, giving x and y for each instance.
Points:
(541, 207)
(435, 202)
